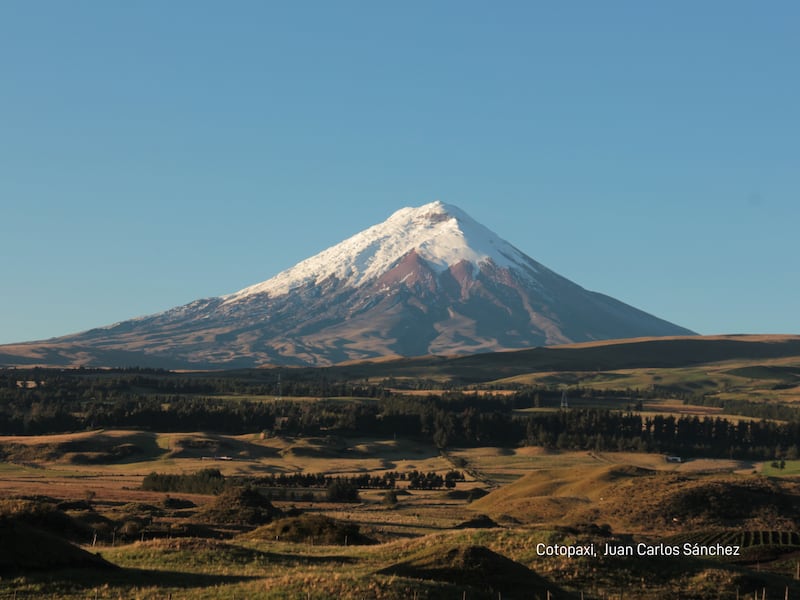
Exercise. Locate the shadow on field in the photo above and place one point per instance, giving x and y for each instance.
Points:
(75, 579)
(101, 448)
(311, 560)
(178, 579)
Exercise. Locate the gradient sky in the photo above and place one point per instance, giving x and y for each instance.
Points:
(152, 153)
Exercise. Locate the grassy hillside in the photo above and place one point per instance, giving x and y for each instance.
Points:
(596, 356)
(632, 498)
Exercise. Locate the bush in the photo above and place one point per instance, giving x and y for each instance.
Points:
(177, 503)
(315, 529)
(241, 506)
(342, 491)
(130, 529)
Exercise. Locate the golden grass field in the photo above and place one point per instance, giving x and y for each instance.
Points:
(190, 452)
(430, 543)
(534, 496)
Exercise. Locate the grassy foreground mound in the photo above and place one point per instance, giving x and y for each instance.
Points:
(44, 514)
(241, 506)
(475, 566)
(313, 529)
(478, 522)
(744, 502)
(25, 547)
(632, 499)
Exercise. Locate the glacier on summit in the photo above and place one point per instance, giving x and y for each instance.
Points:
(441, 234)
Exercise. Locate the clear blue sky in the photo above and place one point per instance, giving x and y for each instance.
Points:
(152, 153)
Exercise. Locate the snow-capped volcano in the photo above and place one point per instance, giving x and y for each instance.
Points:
(441, 234)
(426, 280)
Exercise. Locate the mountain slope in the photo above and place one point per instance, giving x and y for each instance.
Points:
(426, 280)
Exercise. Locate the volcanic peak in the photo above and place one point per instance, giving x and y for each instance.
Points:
(428, 280)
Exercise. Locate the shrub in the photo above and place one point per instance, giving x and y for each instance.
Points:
(315, 529)
(177, 503)
(342, 491)
(241, 506)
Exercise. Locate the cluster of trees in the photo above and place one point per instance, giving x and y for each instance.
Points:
(206, 481)
(212, 481)
(337, 489)
(433, 481)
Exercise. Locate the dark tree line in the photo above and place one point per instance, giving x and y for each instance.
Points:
(40, 401)
(683, 435)
(320, 480)
(211, 481)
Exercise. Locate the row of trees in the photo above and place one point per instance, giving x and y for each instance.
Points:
(206, 481)
(282, 487)
(109, 385)
(320, 480)
(212, 481)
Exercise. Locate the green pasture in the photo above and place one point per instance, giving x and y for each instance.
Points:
(791, 469)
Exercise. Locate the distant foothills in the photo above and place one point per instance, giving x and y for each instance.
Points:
(427, 281)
